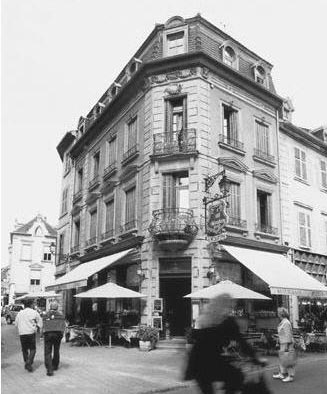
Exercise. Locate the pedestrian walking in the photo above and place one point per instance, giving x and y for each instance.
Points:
(207, 361)
(53, 329)
(286, 348)
(28, 321)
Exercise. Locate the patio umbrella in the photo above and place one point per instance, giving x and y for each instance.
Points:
(110, 290)
(229, 287)
(39, 294)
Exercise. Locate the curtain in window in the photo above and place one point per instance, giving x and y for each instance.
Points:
(130, 206)
(169, 192)
(176, 114)
(262, 141)
(76, 233)
(233, 126)
(109, 215)
(305, 229)
(93, 224)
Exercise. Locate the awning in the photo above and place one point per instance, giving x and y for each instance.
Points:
(110, 290)
(78, 276)
(40, 294)
(278, 272)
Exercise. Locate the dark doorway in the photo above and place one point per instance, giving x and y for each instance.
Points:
(176, 309)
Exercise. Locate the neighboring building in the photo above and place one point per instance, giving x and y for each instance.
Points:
(4, 285)
(303, 166)
(191, 102)
(31, 265)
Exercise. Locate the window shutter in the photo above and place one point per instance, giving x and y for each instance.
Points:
(303, 238)
(323, 168)
(184, 126)
(233, 120)
(168, 191)
(309, 230)
(297, 162)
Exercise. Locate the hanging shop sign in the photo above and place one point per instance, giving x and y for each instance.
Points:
(217, 219)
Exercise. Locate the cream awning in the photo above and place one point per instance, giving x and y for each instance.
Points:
(110, 290)
(278, 272)
(78, 276)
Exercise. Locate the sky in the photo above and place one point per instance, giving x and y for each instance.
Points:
(59, 56)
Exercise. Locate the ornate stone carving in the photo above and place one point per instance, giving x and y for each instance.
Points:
(265, 175)
(173, 89)
(205, 72)
(173, 76)
(233, 163)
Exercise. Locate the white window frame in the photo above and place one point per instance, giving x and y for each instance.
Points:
(302, 161)
(306, 227)
(174, 31)
(226, 59)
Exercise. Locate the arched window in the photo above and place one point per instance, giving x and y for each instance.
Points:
(38, 232)
(229, 56)
(260, 75)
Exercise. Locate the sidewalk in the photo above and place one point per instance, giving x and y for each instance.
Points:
(102, 370)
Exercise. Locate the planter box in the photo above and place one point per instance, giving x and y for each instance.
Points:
(145, 346)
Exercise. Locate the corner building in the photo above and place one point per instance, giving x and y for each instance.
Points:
(191, 102)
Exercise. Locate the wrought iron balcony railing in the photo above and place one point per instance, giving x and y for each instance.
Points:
(130, 154)
(266, 228)
(110, 169)
(168, 143)
(74, 249)
(91, 242)
(108, 234)
(263, 155)
(173, 221)
(236, 222)
(77, 196)
(128, 226)
(94, 182)
(231, 141)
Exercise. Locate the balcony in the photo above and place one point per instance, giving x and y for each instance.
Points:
(235, 221)
(173, 228)
(74, 250)
(130, 155)
(266, 229)
(91, 243)
(108, 236)
(263, 157)
(95, 182)
(110, 170)
(77, 196)
(183, 142)
(231, 143)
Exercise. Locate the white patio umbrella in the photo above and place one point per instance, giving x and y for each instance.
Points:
(110, 290)
(229, 287)
(38, 294)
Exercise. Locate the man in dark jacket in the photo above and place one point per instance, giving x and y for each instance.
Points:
(53, 329)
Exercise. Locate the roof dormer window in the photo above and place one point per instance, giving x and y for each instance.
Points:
(260, 75)
(229, 56)
(175, 41)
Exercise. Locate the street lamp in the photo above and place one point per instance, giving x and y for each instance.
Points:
(61, 256)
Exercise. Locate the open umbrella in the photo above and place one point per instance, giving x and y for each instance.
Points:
(38, 294)
(110, 290)
(229, 287)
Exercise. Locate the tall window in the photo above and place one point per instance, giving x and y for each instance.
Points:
(262, 137)
(109, 216)
(176, 190)
(131, 133)
(61, 244)
(79, 180)
(35, 280)
(112, 151)
(130, 207)
(64, 201)
(77, 229)
(96, 164)
(93, 224)
(175, 43)
(260, 75)
(176, 114)
(263, 210)
(323, 171)
(300, 163)
(234, 201)
(304, 229)
(26, 252)
(230, 124)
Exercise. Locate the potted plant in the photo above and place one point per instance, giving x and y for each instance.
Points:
(148, 337)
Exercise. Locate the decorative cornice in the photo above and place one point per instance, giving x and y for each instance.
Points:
(265, 175)
(302, 205)
(233, 163)
(91, 197)
(128, 173)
